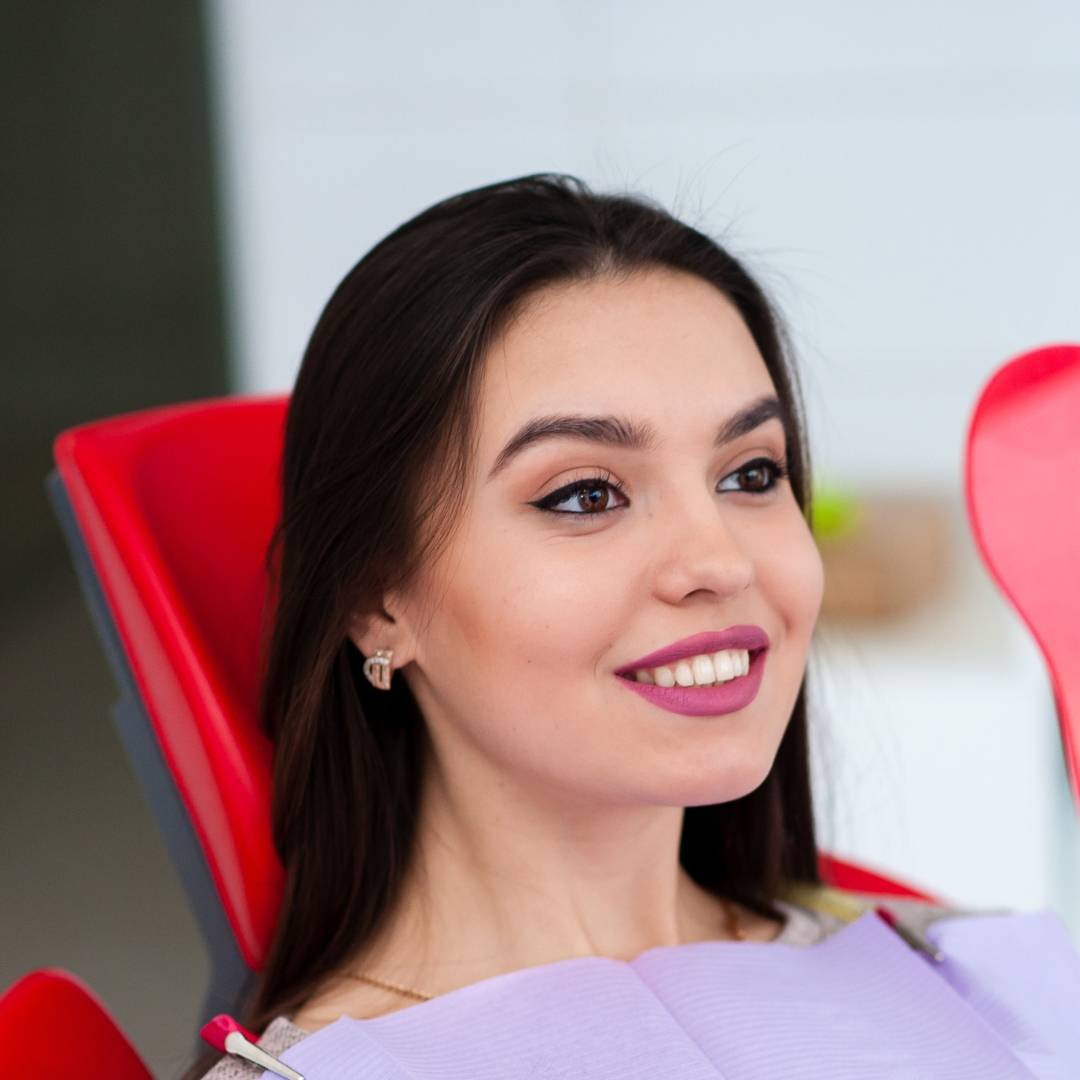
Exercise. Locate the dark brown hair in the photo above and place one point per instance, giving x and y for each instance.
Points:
(378, 441)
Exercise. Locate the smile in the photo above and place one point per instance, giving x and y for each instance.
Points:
(705, 669)
(691, 698)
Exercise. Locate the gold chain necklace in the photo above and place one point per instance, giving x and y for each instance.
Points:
(731, 918)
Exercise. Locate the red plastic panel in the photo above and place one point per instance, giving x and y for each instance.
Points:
(1022, 482)
(53, 1027)
(843, 874)
(176, 506)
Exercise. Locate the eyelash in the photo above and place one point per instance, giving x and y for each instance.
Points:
(779, 471)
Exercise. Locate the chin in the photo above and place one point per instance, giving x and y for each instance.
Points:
(725, 781)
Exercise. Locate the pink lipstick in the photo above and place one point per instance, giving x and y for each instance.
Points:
(713, 700)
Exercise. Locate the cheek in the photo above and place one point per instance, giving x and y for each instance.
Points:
(513, 649)
(549, 613)
(793, 581)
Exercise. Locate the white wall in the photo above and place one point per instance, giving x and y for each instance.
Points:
(904, 178)
(937, 751)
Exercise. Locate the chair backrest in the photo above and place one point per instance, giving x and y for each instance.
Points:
(1022, 483)
(52, 1027)
(168, 513)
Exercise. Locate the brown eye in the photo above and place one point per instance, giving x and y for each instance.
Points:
(595, 496)
(765, 474)
(591, 497)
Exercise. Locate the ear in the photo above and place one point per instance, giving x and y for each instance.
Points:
(381, 630)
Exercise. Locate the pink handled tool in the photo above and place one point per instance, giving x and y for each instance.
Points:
(225, 1034)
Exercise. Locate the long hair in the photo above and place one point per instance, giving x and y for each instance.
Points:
(378, 438)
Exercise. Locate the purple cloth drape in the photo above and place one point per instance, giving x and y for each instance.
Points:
(859, 1004)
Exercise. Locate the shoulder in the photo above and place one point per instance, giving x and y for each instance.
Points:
(279, 1035)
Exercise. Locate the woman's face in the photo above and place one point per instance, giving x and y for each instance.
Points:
(518, 629)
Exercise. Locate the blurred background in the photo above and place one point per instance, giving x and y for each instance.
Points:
(186, 183)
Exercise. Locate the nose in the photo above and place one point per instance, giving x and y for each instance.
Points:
(701, 549)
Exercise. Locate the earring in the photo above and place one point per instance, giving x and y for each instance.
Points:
(378, 670)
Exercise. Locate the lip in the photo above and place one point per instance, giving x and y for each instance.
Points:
(715, 700)
(752, 638)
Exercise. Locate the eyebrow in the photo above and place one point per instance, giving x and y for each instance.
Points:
(621, 431)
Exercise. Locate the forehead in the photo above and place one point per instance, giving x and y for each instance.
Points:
(661, 345)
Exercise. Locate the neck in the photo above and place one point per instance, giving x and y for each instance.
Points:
(506, 877)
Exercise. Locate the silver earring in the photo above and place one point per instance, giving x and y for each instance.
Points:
(378, 670)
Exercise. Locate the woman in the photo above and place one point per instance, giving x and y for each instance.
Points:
(539, 435)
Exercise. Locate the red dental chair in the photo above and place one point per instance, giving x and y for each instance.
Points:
(167, 513)
(52, 1025)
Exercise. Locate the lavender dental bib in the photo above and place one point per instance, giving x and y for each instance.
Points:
(859, 1004)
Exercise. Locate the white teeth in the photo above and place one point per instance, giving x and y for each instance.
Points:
(702, 670)
(728, 667)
